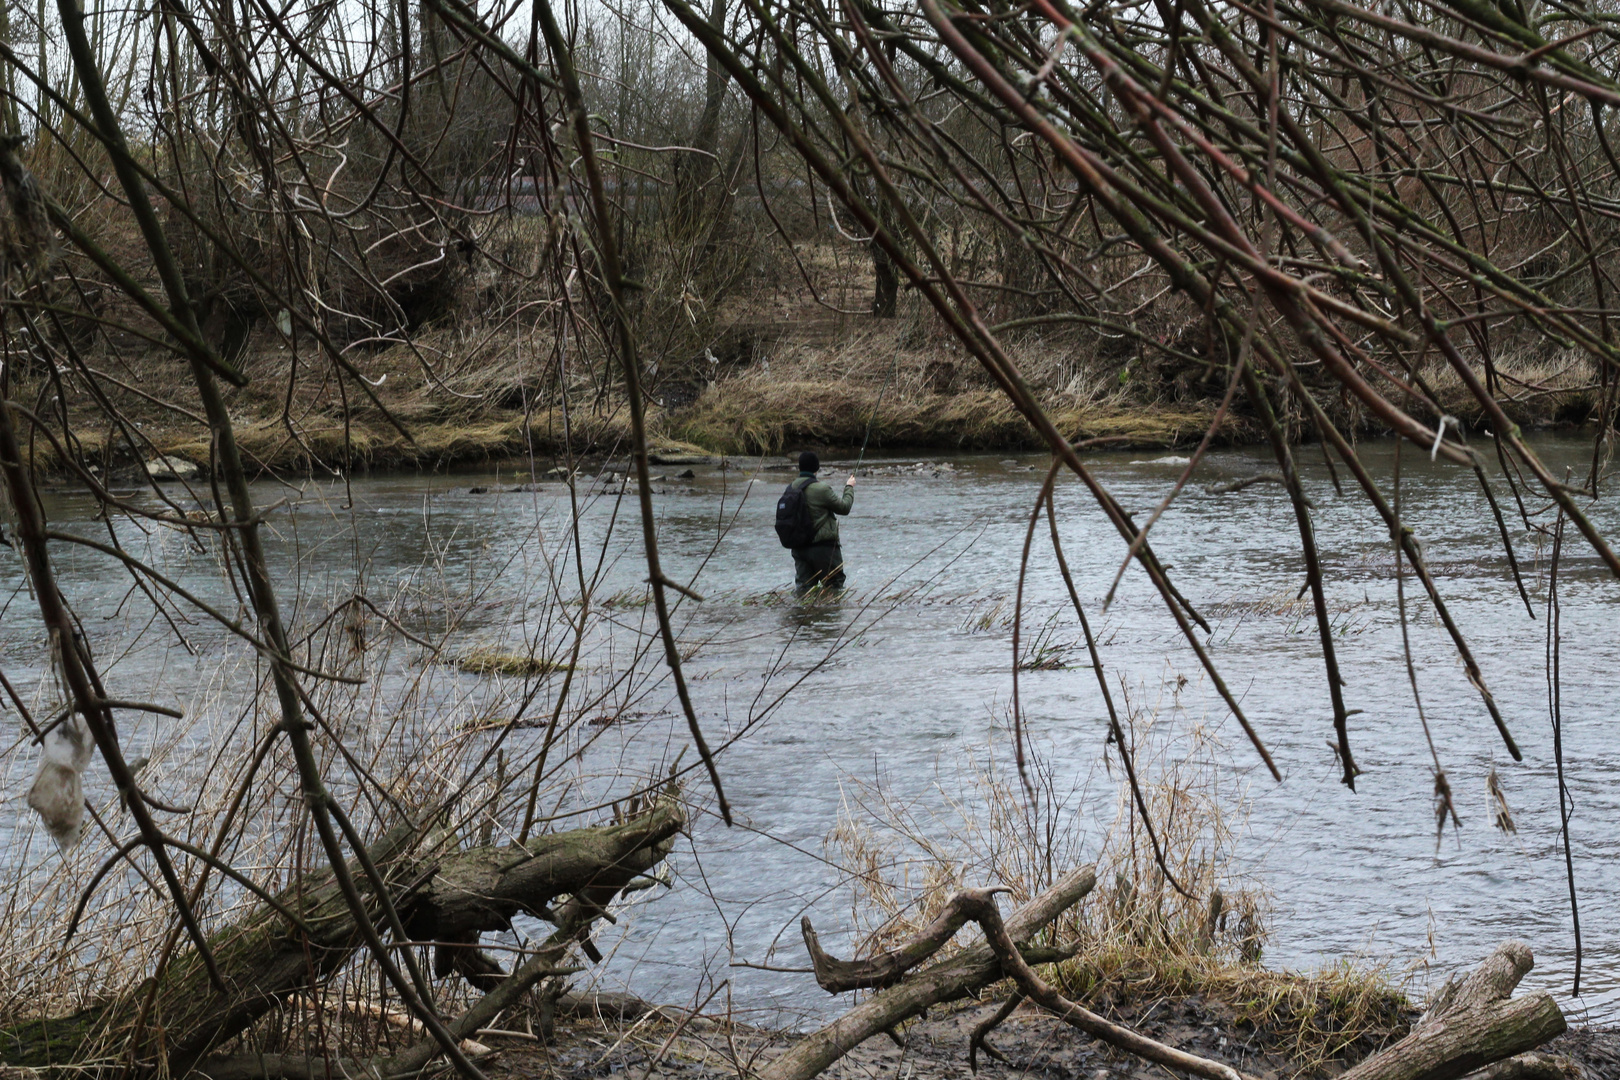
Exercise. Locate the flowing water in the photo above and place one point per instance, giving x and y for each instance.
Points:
(906, 685)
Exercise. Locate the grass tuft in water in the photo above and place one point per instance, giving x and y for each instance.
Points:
(486, 661)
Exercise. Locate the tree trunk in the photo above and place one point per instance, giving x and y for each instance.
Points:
(695, 168)
(1471, 1025)
(886, 284)
(264, 958)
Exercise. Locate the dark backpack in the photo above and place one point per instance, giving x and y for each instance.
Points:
(794, 526)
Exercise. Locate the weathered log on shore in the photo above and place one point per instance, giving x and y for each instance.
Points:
(260, 955)
(266, 956)
(967, 972)
(1472, 1025)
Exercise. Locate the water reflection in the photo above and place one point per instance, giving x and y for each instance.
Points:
(816, 616)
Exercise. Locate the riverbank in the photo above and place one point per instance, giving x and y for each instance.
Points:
(773, 387)
(766, 408)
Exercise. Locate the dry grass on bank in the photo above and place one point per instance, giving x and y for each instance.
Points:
(915, 389)
(757, 414)
(1560, 389)
(475, 393)
(1310, 1018)
(485, 390)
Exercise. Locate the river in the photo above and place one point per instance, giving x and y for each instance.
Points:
(906, 686)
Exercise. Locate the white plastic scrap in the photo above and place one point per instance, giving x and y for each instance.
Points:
(58, 791)
(1440, 434)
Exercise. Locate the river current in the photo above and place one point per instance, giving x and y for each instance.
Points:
(906, 688)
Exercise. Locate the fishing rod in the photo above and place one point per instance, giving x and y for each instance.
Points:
(895, 366)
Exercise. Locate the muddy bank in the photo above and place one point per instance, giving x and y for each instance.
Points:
(671, 1044)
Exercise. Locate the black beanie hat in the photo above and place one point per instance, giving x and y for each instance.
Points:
(808, 462)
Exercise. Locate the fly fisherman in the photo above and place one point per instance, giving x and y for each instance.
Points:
(806, 524)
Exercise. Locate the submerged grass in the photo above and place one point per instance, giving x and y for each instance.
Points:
(488, 661)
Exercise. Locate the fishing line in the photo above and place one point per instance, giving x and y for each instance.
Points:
(895, 366)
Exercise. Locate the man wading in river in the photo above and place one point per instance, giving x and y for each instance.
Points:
(806, 524)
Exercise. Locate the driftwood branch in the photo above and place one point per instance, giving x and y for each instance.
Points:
(962, 975)
(980, 1039)
(998, 956)
(1472, 1025)
(837, 976)
(980, 905)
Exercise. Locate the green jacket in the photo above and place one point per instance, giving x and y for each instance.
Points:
(823, 505)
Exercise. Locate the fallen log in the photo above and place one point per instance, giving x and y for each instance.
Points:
(609, 1005)
(260, 956)
(1473, 1024)
(394, 1018)
(602, 881)
(284, 948)
(281, 1067)
(587, 902)
(964, 974)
